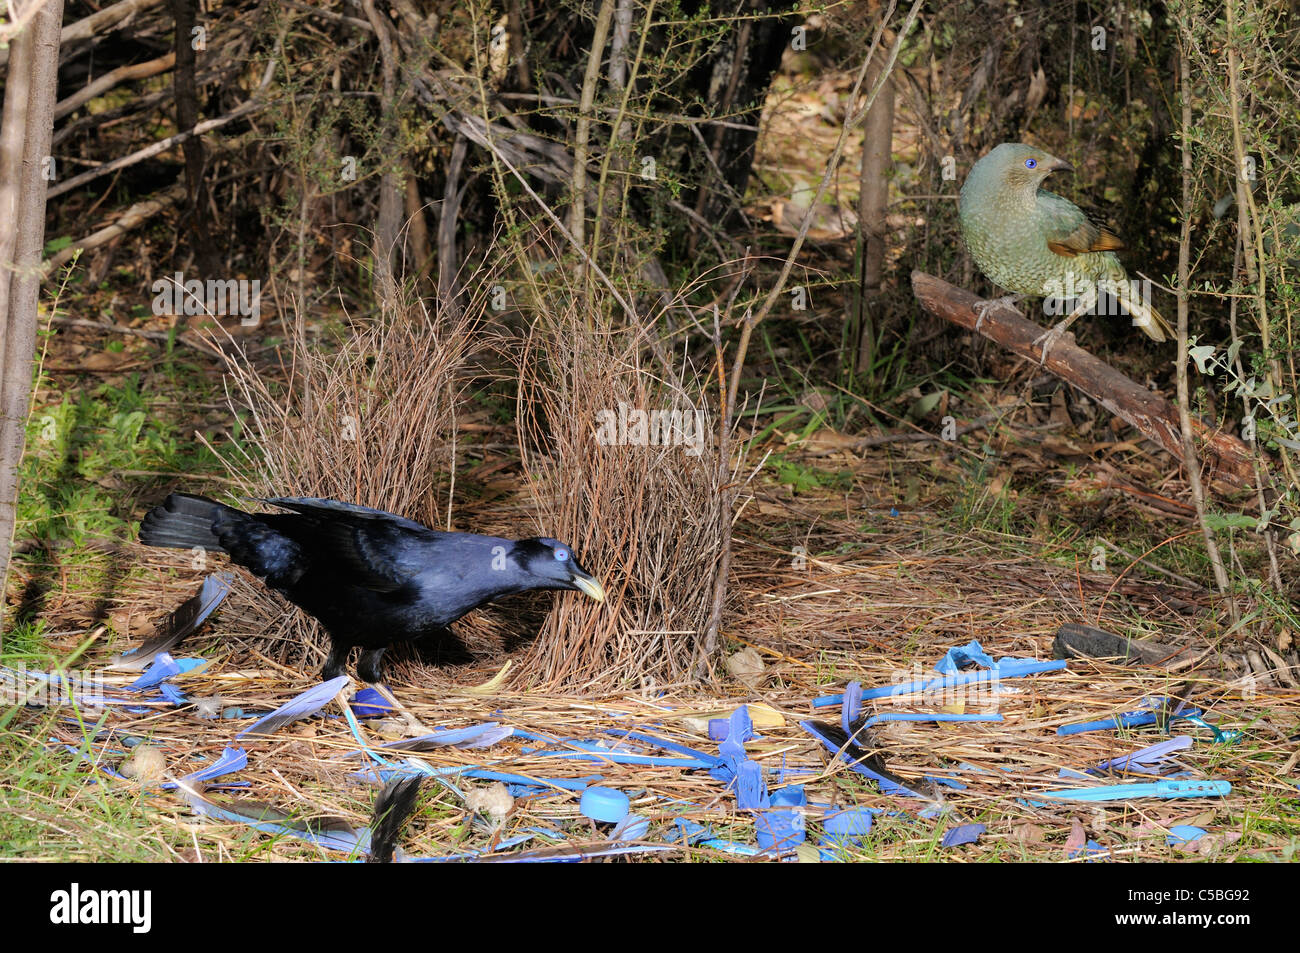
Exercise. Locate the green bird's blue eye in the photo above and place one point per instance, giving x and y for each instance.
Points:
(1030, 163)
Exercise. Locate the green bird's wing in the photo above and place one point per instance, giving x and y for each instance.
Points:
(1068, 231)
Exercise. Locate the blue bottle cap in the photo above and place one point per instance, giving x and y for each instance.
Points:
(851, 823)
(604, 804)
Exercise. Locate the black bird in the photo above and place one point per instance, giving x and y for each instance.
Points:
(370, 577)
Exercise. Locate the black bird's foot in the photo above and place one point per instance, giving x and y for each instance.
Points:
(336, 664)
(370, 667)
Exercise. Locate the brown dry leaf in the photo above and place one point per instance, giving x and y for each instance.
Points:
(106, 361)
(1028, 834)
(827, 440)
(1063, 447)
(1059, 413)
(1078, 838)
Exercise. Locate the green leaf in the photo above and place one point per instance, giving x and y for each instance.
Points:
(1201, 355)
(1218, 521)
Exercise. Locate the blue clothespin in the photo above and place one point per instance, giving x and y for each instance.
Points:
(1124, 792)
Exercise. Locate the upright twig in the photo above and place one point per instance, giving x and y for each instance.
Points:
(582, 129)
(1190, 461)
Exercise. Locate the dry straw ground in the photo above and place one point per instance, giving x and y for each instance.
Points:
(884, 610)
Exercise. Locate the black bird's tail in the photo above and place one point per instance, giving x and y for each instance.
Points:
(184, 521)
(393, 808)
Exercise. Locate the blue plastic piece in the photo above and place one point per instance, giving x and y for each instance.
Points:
(732, 749)
(1184, 834)
(1006, 668)
(1147, 715)
(1132, 719)
(751, 789)
(369, 703)
(851, 709)
(606, 805)
(960, 657)
(1092, 850)
(667, 745)
(965, 834)
(848, 826)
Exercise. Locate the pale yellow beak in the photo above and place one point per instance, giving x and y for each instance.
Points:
(590, 585)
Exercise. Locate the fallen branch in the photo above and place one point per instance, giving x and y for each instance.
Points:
(1228, 458)
(151, 150)
(113, 78)
(132, 218)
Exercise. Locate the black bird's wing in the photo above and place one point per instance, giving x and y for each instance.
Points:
(371, 548)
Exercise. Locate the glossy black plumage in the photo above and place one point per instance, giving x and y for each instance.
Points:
(370, 577)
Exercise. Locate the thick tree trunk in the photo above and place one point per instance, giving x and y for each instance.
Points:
(25, 131)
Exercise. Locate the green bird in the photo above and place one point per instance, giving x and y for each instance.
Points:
(1034, 242)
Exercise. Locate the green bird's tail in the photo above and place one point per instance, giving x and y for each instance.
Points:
(1145, 316)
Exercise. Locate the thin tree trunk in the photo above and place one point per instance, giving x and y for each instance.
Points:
(391, 189)
(27, 125)
(187, 117)
(877, 138)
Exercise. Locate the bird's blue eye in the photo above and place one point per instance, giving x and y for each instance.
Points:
(1030, 163)
(561, 554)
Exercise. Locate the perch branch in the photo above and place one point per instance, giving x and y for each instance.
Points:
(1146, 410)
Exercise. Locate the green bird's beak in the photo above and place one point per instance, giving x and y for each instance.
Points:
(589, 584)
(1060, 165)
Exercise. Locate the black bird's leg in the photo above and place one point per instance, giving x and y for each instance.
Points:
(371, 668)
(337, 662)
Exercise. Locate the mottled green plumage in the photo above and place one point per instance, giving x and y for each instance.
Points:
(1032, 241)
